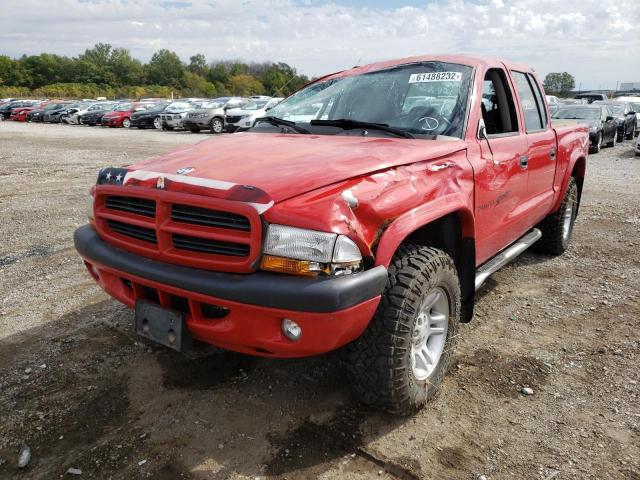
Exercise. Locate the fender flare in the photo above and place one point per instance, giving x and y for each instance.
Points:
(577, 156)
(410, 221)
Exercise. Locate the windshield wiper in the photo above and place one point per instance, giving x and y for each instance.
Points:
(287, 123)
(349, 124)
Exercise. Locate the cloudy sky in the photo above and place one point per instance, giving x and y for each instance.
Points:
(598, 41)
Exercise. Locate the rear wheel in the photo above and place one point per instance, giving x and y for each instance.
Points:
(557, 227)
(126, 123)
(399, 361)
(217, 125)
(157, 123)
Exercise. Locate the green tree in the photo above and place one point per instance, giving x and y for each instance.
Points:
(245, 85)
(45, 69)
(560, 84)
(195, 85)
(12, 72)
(198, 64)
(165, 68)
(126, 69)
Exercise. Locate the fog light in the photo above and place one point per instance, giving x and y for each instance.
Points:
(291, 330)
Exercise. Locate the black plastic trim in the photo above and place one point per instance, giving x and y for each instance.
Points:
(318, 294)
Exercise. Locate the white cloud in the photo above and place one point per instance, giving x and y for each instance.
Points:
(596, 40)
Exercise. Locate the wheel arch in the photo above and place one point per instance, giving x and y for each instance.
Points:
(451, 231)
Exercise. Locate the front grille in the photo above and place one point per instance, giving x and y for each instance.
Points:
(206, 245)
(180, 228)
(139, 206)
(234, 119)
(209, 218)
(133, 231)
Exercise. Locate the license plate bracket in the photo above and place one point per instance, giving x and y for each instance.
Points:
(162, 325)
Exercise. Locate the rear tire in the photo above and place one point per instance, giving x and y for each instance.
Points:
(399, 361)
(558, 226)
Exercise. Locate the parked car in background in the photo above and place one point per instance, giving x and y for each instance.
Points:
(72, 110)
(94, 114)
(552, 99)
(210, 116)
(635, 105)
(120, 116)
(53, 115)
(149, 118)
(7, 108)
(637, 146)
(626, 118)
(591, 96)
(245, 117)
(19, 114)
(37, 113)
(91, 106)
(176, 112)
(602, 124)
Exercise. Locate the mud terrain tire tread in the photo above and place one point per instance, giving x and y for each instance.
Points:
(551, 241)
(379, 360)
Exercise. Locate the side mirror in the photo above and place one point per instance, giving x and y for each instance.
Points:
(609, 118)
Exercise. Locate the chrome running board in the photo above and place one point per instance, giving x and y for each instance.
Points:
(496, 263)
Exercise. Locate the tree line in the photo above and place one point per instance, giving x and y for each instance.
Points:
(112, 72)
(560, 84)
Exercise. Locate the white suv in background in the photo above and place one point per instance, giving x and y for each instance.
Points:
(244, 118)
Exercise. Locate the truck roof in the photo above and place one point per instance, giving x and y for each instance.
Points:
(471, 61)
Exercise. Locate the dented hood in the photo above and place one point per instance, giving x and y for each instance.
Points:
(286, 165)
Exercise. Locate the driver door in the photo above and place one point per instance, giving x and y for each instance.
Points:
(501, 177)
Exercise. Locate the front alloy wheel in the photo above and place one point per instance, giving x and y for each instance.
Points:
(216, 125)
(157, 123)
(126, 123)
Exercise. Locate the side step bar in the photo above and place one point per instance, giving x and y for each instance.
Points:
(496, 263)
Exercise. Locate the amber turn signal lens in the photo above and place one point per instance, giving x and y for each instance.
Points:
(289, 265)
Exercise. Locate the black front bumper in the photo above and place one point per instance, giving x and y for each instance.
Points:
(305, 294)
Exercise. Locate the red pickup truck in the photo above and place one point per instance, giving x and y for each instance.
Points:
(364, 211)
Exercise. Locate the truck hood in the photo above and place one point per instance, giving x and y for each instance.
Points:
(286, 165)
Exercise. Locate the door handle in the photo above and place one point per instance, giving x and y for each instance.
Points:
(552, 153)
(524, 161)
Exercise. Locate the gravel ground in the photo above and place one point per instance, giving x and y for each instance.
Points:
(84, 393)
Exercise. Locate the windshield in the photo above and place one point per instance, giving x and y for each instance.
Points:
(123, 107)
(103, 106)
(179, 106)
(212, 105)
(255, 105)
(427, 98)
(578, 113)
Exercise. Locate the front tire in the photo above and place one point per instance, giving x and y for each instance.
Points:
(157, 123)
(126, 123)
(399, 361)
(216, 126)
(557, 227)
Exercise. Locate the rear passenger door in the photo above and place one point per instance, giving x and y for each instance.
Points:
(541, 146)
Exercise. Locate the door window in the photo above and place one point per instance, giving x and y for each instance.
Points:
(498, 107)
(533, 118)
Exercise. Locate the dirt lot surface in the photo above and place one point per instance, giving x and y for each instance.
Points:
(83, 392)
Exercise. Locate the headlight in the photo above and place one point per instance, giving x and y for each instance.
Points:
(309, 252)
(90, 206)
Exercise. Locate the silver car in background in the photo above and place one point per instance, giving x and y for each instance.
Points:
(176, 112)
(211, 115)
(243, 118)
